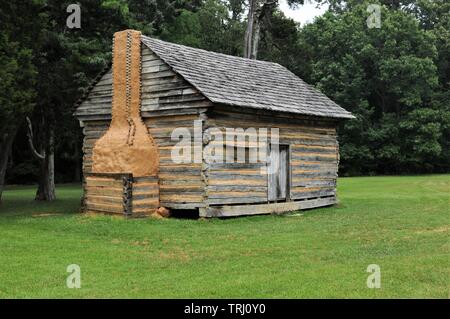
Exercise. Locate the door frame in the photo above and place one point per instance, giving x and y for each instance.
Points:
(288, 173)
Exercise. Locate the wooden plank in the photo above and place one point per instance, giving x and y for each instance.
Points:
(274, 208)
(157, 113)
(234, 182)
(178, 205)
(236, 194)
(92, 206)
(103, 182)
(308, 193)
(188, 103)
(178, 198)
(146, 69)
(103, 191)
(183, 178)
(272, 116)
(181, 188)
(237, 200)
(235, 175)
(283, 172)
(272, 182)
(236, 188)
(104, 199)
(158, 75)
(148, 203)
(315, 183)
(318, 175)
(141, 196)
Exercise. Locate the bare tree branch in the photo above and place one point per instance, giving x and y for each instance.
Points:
(30, 141)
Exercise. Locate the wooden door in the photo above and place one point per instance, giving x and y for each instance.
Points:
(278, 181)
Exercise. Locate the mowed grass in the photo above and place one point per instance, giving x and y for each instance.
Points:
(401, 224)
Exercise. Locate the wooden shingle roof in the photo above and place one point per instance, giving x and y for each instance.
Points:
(244, 82)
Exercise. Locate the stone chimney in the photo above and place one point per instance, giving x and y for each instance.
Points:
(127, 146)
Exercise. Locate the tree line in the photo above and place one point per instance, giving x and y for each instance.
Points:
(394, 78)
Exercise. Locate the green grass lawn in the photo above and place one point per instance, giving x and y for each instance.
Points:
(400, 223)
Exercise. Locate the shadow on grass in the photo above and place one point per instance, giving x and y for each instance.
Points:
(19, 201)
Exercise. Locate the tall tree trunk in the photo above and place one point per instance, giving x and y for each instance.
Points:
(256, 37)
(6, 143)
(46, 189)
(257, 12)
(249, 44)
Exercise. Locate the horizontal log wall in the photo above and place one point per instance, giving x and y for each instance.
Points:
(235, 184)
(99, 100)
(313, 159)
(108, 193)
(168, 103)
(181, 184)
(145, 195)
(164, 90)
(92, 131)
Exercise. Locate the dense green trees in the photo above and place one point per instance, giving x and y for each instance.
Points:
(395, 78)
(17, 74)
(210, 27)
(389, 77)
(63, 61)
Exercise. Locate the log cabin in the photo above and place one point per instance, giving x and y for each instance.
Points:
(133, 112)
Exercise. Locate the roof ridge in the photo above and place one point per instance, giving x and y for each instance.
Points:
(208, 51)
